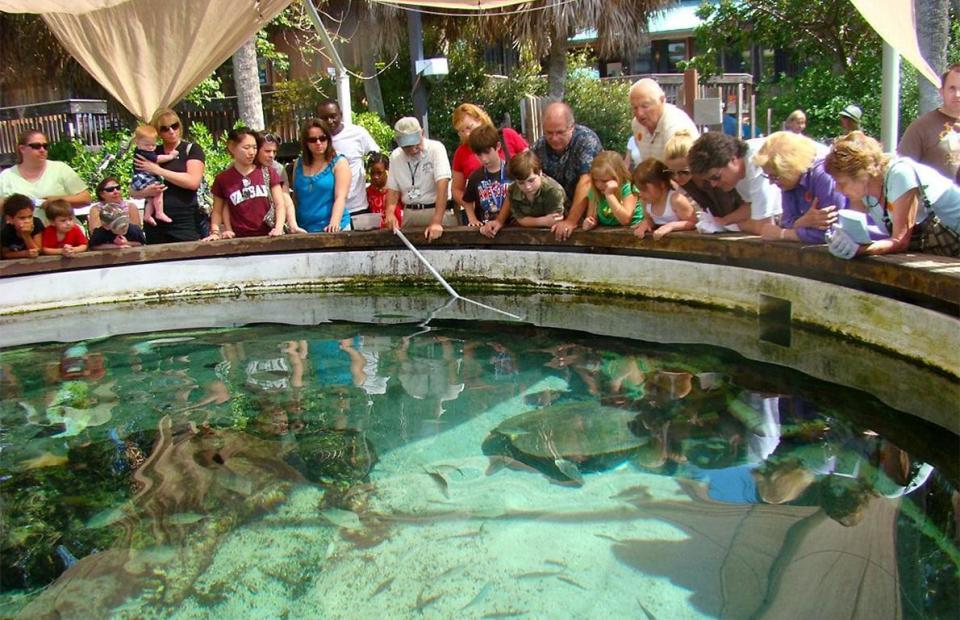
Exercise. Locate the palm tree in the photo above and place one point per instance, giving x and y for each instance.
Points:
(547, 25)
(932, 34)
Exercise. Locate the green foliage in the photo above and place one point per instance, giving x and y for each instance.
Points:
(86, 162)
(381, 132)
(465, 80)
(206, 91)
(297, 95)
(215, 151)
(503, 96)
(601, 105)
(838, 54)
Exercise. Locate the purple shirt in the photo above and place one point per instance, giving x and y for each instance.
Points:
(814, 183)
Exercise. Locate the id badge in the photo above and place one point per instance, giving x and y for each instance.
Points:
(413, 195)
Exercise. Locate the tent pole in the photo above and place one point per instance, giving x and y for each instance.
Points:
(343, 78)
(890, 94)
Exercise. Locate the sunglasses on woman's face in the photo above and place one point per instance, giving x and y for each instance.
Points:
(315, 139)
(36, 146)
(166, 128)
(110, 188)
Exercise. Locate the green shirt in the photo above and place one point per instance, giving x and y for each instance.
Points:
(58, 179)
(548, 199)
(605, 215)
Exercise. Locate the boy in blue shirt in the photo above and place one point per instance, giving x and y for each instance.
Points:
(487, 186)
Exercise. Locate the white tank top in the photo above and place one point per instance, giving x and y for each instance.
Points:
(668, 214)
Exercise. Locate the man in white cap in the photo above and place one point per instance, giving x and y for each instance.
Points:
(420, 177)
(850, 118)
(654, 120)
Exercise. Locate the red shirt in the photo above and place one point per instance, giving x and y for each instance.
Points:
(466, 162)
(377, 200)
(73, 237)
(246, 198)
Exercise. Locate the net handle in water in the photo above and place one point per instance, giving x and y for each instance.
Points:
(443, 282)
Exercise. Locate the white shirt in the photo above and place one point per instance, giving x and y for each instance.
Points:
(355, 143)
(763, 196)
(416, 177)
(672, 120)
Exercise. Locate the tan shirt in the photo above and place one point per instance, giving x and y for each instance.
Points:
(934, 139)
(416, 177)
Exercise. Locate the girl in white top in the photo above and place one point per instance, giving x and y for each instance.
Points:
(667, 210)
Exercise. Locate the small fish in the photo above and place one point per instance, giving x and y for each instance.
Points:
(633, 493)
(65, 556)
(108, 517)
(538, 574)
(482, 594)
(383, 586)
(450, 570)
(440, 480)
(185, 518)
(555, 563)
(44, 460)
(423, 603)
(510, 613)
(470, 534)
(570, 470)
(342, 518)
(608, 537)
(646, 611)
(566, 579)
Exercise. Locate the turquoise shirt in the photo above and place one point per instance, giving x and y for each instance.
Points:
(315, 195)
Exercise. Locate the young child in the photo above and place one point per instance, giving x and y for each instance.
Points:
(115, 230)
(486, 187)
(21, 234)
(145, 139)
(62, 235)
(667, 209)
(534, 199)
(612, 198)
(378, 167)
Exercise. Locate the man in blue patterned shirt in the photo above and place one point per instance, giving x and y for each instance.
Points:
(566, 151)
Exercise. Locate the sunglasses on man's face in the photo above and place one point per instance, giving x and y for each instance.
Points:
(314, 139)
(166, 128)
(36, 146)
(110, 188)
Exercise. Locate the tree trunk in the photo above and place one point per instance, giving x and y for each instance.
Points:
(932, 34)
(246, 80)
(371, 85)
(557, 66)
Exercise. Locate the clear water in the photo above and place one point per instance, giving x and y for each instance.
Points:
(360, 471)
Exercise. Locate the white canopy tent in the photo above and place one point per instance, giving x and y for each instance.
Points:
(148, 54)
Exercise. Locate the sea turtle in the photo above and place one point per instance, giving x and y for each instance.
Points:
(563, 440)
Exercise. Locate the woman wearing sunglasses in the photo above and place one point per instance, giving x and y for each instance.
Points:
(109, 192)
(38, 178)
(181, 179)
(321, 181)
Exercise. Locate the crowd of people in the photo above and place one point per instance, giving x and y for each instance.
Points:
(851, 195)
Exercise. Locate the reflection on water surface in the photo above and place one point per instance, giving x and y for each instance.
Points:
(350, 470)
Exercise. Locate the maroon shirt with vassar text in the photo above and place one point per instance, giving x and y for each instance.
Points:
(247, 199)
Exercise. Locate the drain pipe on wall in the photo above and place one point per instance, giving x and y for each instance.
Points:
(343, 78)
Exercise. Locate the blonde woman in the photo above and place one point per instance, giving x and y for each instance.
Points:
(796, 122)
(715, 203)
(915, 204)
(466, 118)
(181, 179)
(810, 199)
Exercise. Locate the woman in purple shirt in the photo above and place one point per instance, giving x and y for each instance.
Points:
(794, 163)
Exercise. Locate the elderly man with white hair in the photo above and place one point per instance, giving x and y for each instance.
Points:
(654, 120)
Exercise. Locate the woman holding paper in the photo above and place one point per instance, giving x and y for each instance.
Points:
(915, 204)
(810, 202)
